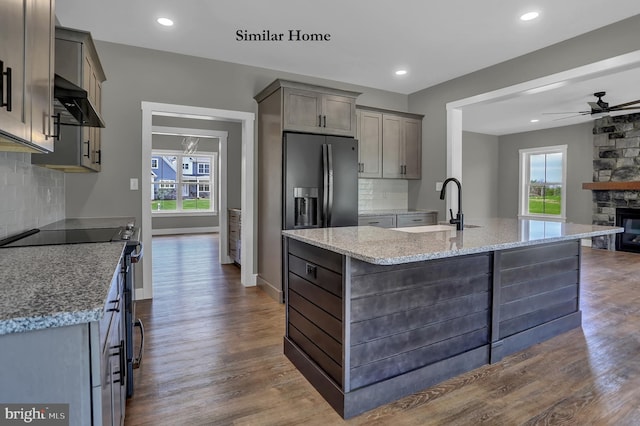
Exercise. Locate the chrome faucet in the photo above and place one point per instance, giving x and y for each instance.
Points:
(459, 219)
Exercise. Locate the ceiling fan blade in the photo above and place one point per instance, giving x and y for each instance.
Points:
(568, 112)
(623, 109)
(595, 106)
(625, 104)
(564, 118)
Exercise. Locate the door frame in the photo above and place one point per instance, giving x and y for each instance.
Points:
(247, 191)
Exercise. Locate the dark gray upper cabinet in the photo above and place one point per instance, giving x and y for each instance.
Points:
(79, 148)
(390, 144)
(369, 137)
(26, 59)
(315, 109)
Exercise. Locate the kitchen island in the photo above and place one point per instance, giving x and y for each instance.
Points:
(377, 314)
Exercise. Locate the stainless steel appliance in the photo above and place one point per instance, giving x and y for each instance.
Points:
(320, 179)
(132, 255)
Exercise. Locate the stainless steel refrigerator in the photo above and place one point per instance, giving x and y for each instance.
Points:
(320, 181)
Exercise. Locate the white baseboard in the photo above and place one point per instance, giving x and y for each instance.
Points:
(179, 231)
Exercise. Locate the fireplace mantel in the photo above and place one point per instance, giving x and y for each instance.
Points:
(612, 186)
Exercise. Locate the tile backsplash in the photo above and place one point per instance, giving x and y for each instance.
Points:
(31, 196)
(383, 194)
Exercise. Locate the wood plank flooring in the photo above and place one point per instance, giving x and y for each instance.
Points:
(213, 356)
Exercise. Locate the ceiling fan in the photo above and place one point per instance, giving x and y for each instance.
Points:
(601, 107)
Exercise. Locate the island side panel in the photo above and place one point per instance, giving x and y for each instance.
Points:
(538, 290)
(315, 307)
(409, 316)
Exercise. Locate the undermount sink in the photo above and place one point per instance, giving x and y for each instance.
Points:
(426, 228)
(431, 228)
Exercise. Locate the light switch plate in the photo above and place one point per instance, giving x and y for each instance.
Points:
(438, 186)
(133, 184)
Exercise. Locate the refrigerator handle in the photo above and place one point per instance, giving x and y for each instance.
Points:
(330, 173)
(325, 186)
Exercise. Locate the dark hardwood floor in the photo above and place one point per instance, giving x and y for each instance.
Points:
(213, 356)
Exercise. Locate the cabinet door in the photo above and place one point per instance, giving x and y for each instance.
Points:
(40, 59)
(97, 131)
(338, 115)
(412, 148)
(369, 144)
(302, 110)
(14, 118)
(391, 146)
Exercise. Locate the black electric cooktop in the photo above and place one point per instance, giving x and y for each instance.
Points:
(36, 237)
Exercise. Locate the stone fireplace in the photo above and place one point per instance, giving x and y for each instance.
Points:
(616, 173)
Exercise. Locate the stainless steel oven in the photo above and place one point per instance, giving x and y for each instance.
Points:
(132, 256)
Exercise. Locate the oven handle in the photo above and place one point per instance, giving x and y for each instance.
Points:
(135, 258)
(138, 359)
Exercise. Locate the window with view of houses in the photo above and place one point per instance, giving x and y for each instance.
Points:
(543, 182)
(183, 184)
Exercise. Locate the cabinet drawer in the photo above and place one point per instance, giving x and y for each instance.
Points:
(316, 255)
(417, 219)
(387, 221)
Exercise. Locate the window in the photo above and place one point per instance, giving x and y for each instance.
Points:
(543, 178)
(203, 168)
(177, 189)
(154, 163)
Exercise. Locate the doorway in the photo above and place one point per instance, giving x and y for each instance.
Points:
(151, 109)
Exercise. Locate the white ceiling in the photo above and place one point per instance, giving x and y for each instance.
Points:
(369, 39)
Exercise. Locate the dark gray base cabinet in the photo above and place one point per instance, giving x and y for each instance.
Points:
(365, 335)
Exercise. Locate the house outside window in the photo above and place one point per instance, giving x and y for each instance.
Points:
(182, 185)
(543, 176)
(154, 163)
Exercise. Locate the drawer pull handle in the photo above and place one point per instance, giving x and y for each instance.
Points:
(4, 73)
(417, 220)
(310, 270)
(373, 223)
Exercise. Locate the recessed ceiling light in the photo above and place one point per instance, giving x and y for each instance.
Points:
(535, 120)
(165, 21)
(401, 72)
(529, 16)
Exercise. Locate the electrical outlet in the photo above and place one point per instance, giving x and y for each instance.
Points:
(438, 186)
(133, 184)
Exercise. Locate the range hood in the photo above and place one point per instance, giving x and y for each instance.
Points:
(73, 105)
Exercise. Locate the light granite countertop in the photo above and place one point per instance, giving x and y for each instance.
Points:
(54, 286)
(393, 211)
(389, 247)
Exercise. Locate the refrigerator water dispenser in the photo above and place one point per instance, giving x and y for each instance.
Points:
(306, 207)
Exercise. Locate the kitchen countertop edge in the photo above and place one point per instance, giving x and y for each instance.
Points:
(380, 245)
